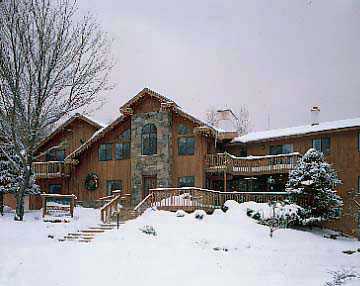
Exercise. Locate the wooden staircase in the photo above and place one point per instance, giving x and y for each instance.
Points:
(88, 234)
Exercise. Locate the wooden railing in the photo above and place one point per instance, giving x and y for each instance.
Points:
(113, 206)
(50, 169)
(146, 203)
(251, 165)
(109, 209)
(190, 199)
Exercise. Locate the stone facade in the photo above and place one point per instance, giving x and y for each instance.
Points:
(150, 165)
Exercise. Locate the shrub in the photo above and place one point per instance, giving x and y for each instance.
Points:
(180, 213)
(149, 230)
(199, 214)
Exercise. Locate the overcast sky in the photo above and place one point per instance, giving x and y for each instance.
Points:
(277, 57)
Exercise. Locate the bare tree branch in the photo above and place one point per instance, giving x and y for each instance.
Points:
(51, 65)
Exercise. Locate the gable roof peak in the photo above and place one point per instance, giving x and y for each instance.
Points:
(147, 92)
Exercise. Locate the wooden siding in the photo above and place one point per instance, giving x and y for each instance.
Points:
(188, 165)
(106, 170)
(76, 132)
(146, 104)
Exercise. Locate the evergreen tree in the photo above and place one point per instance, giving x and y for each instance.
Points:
(316, 179)
(11, 174)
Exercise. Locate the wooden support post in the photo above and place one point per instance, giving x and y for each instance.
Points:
(72, 204)
(225, 183)
(44, 206)
(118, 220)
(2, 203)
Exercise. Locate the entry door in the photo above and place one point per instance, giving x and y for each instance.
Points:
(149, 182)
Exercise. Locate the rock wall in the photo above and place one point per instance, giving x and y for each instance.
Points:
(149, 165)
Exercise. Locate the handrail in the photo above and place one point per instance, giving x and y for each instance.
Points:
(144, 204)
(113, 206)
(109, 209)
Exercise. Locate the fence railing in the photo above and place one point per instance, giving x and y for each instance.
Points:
(50, 169)
(251, 165)
(190, 198)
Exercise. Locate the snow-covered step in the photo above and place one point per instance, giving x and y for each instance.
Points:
(93, 231)
(102, 228)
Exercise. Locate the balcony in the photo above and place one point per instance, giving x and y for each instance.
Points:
(50, 169)
(251, 165)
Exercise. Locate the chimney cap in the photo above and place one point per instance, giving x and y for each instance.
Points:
(315, 108)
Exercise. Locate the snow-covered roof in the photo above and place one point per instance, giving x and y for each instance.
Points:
(298, 130)
(64, 125)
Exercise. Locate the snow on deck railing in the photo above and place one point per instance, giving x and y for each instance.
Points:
(251, 164)
(217, 192)
(191, 198)
(251, 157)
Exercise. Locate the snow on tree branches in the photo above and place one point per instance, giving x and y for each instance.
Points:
(52, 64)
(315, 178)
(11, 176)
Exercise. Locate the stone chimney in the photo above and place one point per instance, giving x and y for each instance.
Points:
(315, 114)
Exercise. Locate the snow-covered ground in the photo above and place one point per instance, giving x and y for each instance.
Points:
(221, 249)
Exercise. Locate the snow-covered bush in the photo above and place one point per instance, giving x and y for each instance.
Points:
(180, 213)
(343, 276)
(279, 214)
(199, 214)
(315, 180)
(149, 230)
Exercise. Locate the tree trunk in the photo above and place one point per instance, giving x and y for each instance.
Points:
(20, 195)
(19, 215)
(1, 203)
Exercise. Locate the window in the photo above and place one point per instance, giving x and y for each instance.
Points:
(186, 145)
(113, 185)
(322, 145)
(122, 149)
(281, 149)
(186, 140)
(183, 129)
(149, 139)
(187, 181)
(105, 152)
(55, 155)
(55, 189)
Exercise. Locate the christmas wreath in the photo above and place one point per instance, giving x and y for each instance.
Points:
(92, 182)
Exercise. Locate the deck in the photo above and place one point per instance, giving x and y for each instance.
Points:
(51, 169)
(251, 165)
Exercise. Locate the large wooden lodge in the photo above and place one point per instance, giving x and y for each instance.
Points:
(154, 143)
